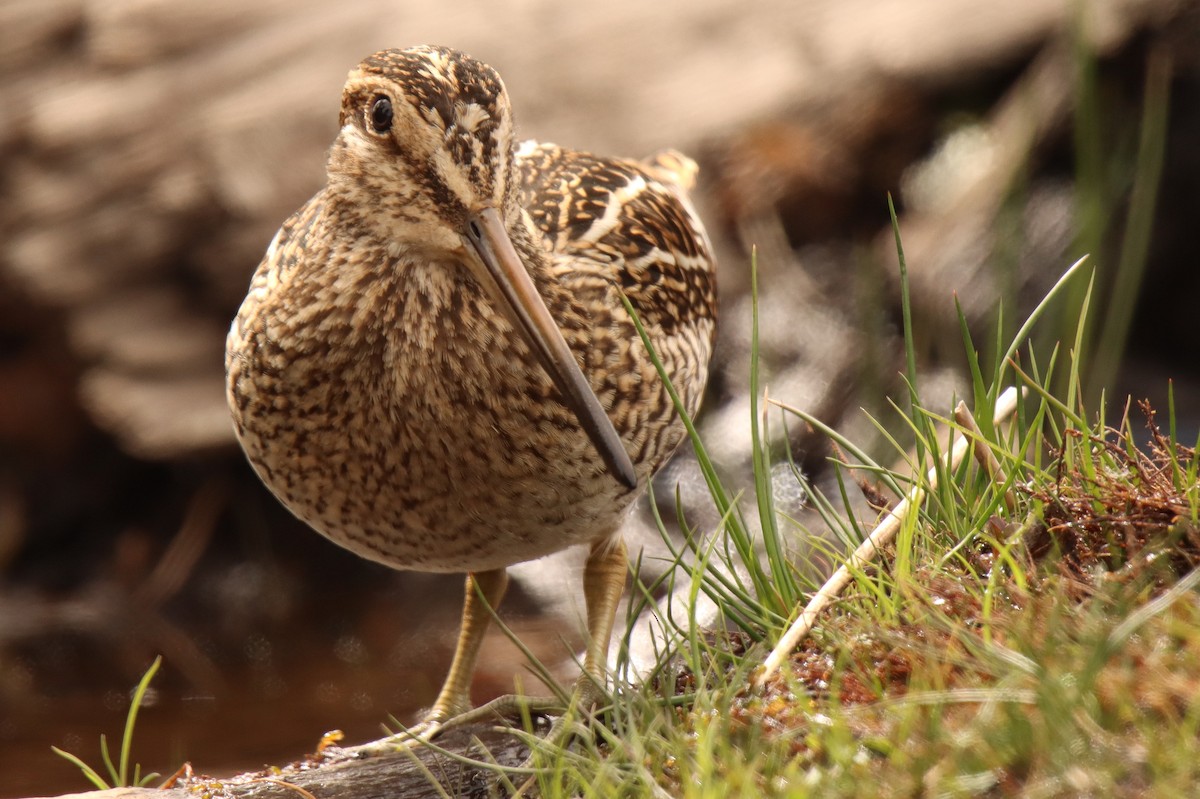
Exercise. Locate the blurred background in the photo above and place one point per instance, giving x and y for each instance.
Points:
(150, 148)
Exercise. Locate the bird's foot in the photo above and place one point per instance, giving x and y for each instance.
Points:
(512, 707)
(586, 697)
(383, 746)
(575, 721)
(425, 730)
(572, 721)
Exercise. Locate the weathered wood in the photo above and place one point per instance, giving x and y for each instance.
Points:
(337, 774)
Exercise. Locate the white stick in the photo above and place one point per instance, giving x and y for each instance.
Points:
(1006, 403)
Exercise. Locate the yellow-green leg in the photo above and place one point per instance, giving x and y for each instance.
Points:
(455, 697)
(484, 590)
(603, 583)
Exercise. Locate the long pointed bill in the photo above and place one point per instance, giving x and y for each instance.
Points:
(524, 306)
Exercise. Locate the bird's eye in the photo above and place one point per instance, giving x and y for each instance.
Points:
(381, 114)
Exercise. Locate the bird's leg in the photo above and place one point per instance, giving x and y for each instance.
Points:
(603, 583)
(484, 590)
(483, 594)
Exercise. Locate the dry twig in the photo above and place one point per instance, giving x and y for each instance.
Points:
(1006, 404)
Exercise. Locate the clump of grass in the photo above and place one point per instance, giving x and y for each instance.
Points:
(1033, 628)
(119, 776)
(1031, 634)
(1047, 662)
(1130, 504)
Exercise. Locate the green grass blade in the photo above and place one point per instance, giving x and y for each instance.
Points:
(88, 771)
(867, 462)
(978, 389)
(910, 355)
(1023, 333)
(131, 719)
(106, 758)
(781, 590)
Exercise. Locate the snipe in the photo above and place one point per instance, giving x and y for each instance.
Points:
(433, 366)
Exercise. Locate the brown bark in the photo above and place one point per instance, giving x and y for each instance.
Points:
(337, 774)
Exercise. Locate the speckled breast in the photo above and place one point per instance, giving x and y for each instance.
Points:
(414, 428)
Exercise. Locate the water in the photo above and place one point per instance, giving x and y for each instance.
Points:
(267, 700)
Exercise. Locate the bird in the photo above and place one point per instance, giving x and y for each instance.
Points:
(434, 366)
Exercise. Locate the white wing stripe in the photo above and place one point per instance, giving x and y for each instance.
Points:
(612, 212)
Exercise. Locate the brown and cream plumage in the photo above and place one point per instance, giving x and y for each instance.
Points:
(433, 366)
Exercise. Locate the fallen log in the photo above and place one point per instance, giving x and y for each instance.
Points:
(338, 773)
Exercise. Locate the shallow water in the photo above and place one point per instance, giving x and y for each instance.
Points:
(270, 702)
